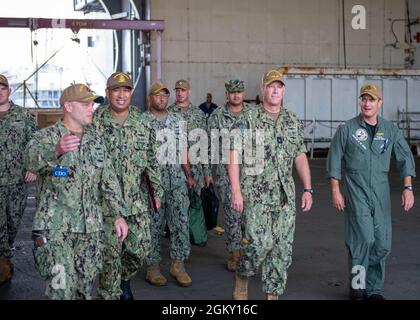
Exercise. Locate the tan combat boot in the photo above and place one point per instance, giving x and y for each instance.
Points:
(153, 275)
(240, 288)
(6, 268)
(270, 296)
(178, 272)
(233, 260)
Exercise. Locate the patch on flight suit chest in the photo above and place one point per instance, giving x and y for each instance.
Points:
(361, 134)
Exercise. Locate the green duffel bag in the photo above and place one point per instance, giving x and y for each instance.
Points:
(197, 222)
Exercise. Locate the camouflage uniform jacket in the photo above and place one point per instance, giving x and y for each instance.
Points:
(283, 141)
(221, 119)
(195, 119)
(16, 129)
(132, 147)
(169, 159)
(73, 203)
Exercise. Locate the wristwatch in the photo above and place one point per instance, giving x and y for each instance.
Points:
(409, 188)
(308, 190)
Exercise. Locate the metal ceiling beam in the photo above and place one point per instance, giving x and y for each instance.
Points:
(77, 24)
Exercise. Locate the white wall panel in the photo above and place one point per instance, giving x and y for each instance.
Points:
(223, 39)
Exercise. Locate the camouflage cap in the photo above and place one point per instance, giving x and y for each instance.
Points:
(119, 79)
(272, 75)
(4, 81)
(80, 93)
(182, 84)
(372, 90)
(157, 87)
(235, 86)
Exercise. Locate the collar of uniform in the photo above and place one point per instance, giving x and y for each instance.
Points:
(9, 111)
(227, 113)
(61, 128)
(12, 105)
(175, 107)
(87, 131)
(110, 120)
(153, 117)
(362, 123)
(266, 118)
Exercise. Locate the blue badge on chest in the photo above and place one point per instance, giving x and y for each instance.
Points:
(61, 172)
(279, 140)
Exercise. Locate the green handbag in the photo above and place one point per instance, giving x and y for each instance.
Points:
(197, 222)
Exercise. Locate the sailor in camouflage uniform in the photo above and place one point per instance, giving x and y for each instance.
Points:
(220, 123)
(263, 189)
(131, 144)
(76, 176)
(16, 128)
(175, 202)
(195, 118)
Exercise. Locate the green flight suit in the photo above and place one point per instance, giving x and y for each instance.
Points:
(368, 205)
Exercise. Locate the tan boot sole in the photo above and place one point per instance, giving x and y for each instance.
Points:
(240, 297)
(157, 283)
(182, 284)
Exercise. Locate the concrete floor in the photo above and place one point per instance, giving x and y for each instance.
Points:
(318, 271)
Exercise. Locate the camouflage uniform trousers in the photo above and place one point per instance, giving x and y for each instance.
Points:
(174, 209)
(233, 226)
(12, 206)
(198, 175)
(69, 263)
(123, 260)
(269, 229)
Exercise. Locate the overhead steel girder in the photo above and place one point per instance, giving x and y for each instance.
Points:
(77, 24)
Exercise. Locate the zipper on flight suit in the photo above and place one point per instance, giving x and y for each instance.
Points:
(371, 157)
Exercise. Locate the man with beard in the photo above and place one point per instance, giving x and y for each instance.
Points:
(175, 202)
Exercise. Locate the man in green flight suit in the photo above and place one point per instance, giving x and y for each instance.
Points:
(366, 143)
(262, 187)
(76, 176)
(131, 144)
(17, 126)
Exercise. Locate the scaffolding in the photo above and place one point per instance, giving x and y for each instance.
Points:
(409, 123)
